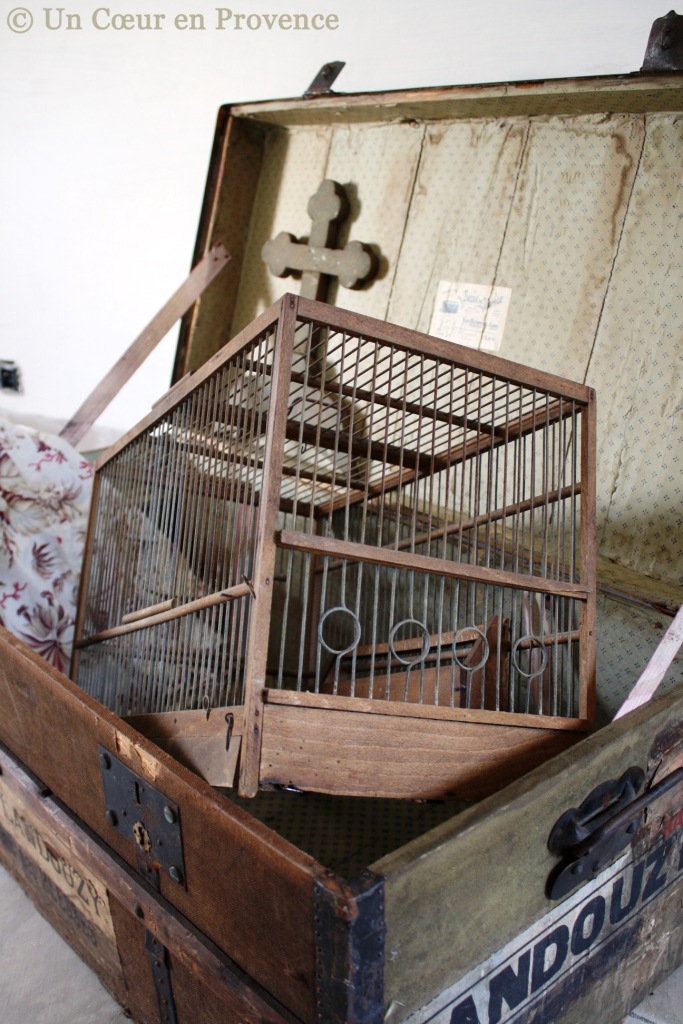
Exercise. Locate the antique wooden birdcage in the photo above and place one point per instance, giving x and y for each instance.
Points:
(372, 550)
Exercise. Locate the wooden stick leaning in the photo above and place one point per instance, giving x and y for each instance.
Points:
(97, 401)
(656, 668)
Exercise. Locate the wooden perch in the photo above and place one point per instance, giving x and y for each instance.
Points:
(134, 356)
(170, 610)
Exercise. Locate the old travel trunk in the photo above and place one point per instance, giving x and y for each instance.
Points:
(535, 222)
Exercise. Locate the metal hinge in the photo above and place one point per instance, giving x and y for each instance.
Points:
(158, 958)
(665, 46)
(591, 836)
(325, 79)
(143, 814)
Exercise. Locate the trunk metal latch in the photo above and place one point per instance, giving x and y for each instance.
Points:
(140, 812)
(161, 976)
(591, 836)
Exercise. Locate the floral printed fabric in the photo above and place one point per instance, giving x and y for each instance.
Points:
(45, 490)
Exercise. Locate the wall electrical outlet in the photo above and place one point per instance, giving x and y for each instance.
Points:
(10, 379)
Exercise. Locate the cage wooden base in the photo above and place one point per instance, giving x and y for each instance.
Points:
(355, 748)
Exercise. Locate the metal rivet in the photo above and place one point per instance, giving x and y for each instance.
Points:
(112, 818)
(170, 814)
(106, 760)
(577, 868)
(176, 874)
(138, 911)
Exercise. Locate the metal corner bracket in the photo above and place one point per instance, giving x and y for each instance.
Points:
(349, 947)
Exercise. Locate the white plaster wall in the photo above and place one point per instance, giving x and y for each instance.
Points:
(105, 139)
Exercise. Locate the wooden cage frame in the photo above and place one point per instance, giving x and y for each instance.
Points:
(353, 744)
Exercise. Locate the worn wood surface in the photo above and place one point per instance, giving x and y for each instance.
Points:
(302, 699)
(56, 871)
(248, 890)
(594, 956)
(597, 952)
(168, 611)
(204, 981)
(409, 689)
(233, 173)
(153, 609)
(618, 581)
(206, 742)
(328, 546)
(457, 895)
(553, 97)
(335, 751)
(134, 356)
(264, 559)
(85, 575)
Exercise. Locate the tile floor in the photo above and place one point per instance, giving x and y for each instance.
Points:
(43, 981)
